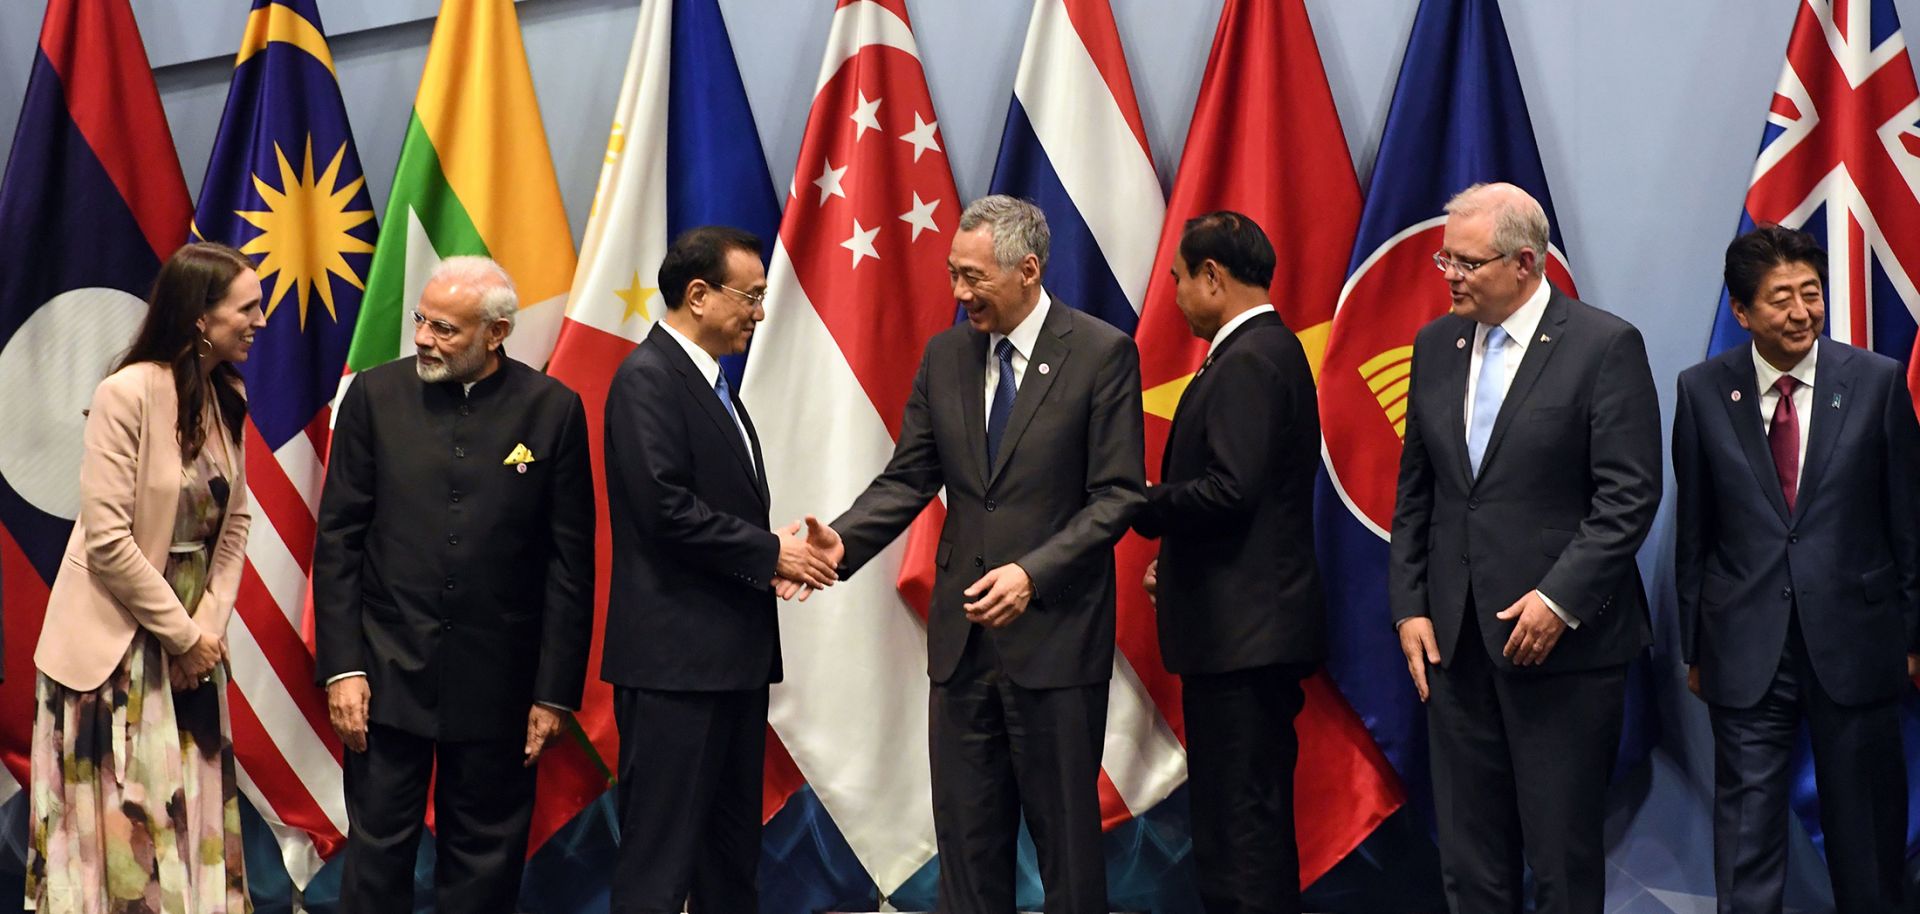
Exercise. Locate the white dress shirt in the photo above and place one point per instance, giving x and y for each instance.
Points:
(709, 368)
(1023, 337)
(1520, 327)
(1765, 375)
(1227, 328)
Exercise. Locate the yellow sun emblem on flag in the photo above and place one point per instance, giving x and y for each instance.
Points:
(305, 231)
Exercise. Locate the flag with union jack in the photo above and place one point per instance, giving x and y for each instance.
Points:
(1840, 160)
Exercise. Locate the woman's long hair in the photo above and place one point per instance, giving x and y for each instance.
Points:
(190, 283)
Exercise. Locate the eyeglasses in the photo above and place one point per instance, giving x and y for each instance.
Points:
(442, 330)
(1443, 263)
(755, 299)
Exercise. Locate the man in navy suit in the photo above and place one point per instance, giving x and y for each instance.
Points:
(1798, 566)
(1529, 477)
(692, 639)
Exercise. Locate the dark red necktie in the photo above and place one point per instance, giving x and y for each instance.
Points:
(1783, 438)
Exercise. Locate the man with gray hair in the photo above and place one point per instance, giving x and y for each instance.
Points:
(1529, 476)
(453, 580)
(1029, 415)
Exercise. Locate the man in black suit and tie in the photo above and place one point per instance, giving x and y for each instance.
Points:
(1798, 566)
(452, 590)
(1029, 415)
(1241, 614)
(1528, 479)
(693, 640)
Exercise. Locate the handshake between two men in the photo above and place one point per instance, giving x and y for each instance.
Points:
(810, 557)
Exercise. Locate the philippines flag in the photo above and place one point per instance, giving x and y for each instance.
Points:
(285, 186)
(857, 285)
(1265, 141)
(1458, 117)
(1840, 159)
(1075, 145)
(682, 152)
(93, 200)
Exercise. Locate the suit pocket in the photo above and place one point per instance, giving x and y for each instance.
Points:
(1553, 542)
(941, 555)
(1878, 584)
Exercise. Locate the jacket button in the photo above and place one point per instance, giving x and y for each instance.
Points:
(449, 583)
(1793, 537)
(991, 505)
(466, 409)
(446, 626)
(454, 496)
(459, 452)
(979, 562)
(453, 539)
(1786, 593)
(1463, 558)
(1473, 504)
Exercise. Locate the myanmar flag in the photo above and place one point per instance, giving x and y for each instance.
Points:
(475, 177)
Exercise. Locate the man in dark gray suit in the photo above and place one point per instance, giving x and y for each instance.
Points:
(1029, 415)
(1529, 477)
(1798, 566)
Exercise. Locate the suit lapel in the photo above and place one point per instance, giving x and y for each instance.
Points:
(708, 401)
(973, 407)
(1049, 356)
(1743, 410)
(1454, 362)
(1539, 350)
(1825, 415)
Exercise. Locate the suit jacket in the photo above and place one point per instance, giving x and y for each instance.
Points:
(691, 606)
(1847, 556)
(1567, 488)
(109, 585)
(1239, 585)
(1068, 479)
(460, 583)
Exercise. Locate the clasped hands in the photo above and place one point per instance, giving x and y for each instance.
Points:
(194, 668)
(811, 561)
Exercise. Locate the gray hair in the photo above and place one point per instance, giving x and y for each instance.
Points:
(1518, 219)
(499, 301)
(1019, 228)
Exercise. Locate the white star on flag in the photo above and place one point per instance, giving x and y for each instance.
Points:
(829, 181)
(866, 114)
(922, 136)
(920, 216)
(861, 244)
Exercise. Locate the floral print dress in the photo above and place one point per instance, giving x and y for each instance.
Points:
(135, 809)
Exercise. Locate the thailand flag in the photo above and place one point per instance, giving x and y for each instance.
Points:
(91, 204)
(1075, 145)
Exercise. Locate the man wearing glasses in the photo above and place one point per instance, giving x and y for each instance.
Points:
(1528, 479)
(453, 579)
(693, 635)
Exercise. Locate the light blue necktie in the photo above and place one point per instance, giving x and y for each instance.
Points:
(1487, 394)
(1003, 391)
(725, 394)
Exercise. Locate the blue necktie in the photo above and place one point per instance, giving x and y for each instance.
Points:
(721, 390)
(1487, 394)
(1002, 400)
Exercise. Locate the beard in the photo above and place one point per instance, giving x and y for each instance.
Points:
(462, 366)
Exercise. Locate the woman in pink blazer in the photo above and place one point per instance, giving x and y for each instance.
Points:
(134, 804)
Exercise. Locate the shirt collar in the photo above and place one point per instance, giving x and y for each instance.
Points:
(1766, 375)
(1227, 328)
(1028, 333)
(708, 366)
(1526, 319)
